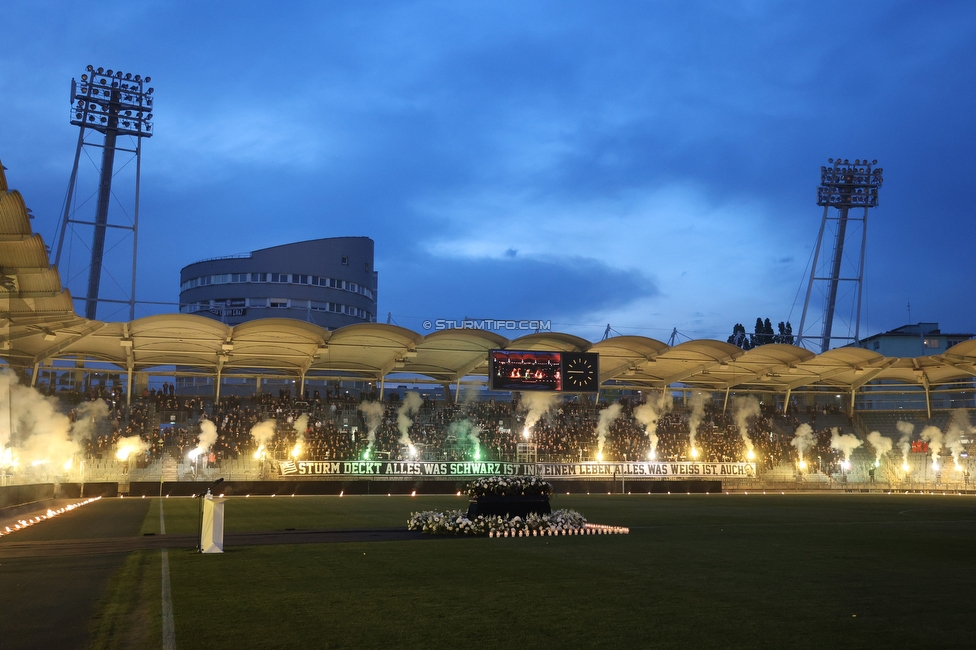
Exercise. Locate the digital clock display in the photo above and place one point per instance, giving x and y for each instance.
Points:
(571, 372)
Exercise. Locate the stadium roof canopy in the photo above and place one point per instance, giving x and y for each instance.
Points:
(38, 325)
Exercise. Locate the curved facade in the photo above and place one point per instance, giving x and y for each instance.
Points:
(328, 282)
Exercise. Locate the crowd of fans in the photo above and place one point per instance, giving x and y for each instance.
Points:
(336, 428)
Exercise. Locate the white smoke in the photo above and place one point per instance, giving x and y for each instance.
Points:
(745, 408)
(411, 405)
(87, 417)
(649, 415)
(208, 436)
(959, 426)
(262, 433)
(803, 440)
(882, 445)
(845, 444)
(373, 413)
(466, 432)
(607, 416)
(697, 403)
(299, 425)
(933, 436)
(905, 442)
(538, 406)
(34, 432)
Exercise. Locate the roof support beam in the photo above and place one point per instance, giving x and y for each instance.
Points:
(90, 328)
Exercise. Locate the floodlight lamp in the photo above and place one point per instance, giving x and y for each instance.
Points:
(109, 72)
(148, 79)
(137, 78)
(119, 74)
(89, 69)
(128, 75)
(100, 70)
(150, 91)
(84, 77)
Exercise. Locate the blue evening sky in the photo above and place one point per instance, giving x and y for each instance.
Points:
(650, 165)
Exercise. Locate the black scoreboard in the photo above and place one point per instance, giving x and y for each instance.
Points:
(565, 372)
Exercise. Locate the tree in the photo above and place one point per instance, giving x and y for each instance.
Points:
(762, 335)
(739, 337)
(785, 333)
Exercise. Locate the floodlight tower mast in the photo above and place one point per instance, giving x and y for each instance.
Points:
(843, 186)
(113, 104)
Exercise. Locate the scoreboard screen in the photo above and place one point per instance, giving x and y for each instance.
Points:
(570, 372)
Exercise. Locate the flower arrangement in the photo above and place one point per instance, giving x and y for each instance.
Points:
(508, 486)
(456, 522)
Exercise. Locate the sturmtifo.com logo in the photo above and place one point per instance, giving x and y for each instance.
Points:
(489, 324)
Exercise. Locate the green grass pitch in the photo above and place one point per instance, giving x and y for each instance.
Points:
(696, 571)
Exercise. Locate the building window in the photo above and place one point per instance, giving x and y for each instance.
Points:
(278, 303)
(932, 344)
(257, 302)
(259, 277)
(238, 277)
(877, 344)
(319, 306)
(345, 260)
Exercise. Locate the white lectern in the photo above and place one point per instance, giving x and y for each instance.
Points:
(212, 531)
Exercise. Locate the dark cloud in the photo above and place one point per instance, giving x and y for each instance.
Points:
(574, 288)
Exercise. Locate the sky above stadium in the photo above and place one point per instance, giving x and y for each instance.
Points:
(648, 165)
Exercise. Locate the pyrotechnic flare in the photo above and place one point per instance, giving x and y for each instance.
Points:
(745, 408)
(300, 425)
(208, 436)
(803, 440)
(845, 444)
(697, 404)
(959, 426)
(262, 433)
(411, 405)
(466, 432)
(607, 416)
(905, 442)
(933, 436)
(130, 445)
(373, 413)
(649, 415)
(882, 445)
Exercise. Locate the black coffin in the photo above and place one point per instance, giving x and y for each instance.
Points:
(519, 506)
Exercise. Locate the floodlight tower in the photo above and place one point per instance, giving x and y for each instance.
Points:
(843, 186)
(111, 103)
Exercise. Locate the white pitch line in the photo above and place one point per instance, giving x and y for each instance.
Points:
(169, 627)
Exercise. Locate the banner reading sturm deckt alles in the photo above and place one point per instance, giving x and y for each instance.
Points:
(417, 469)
